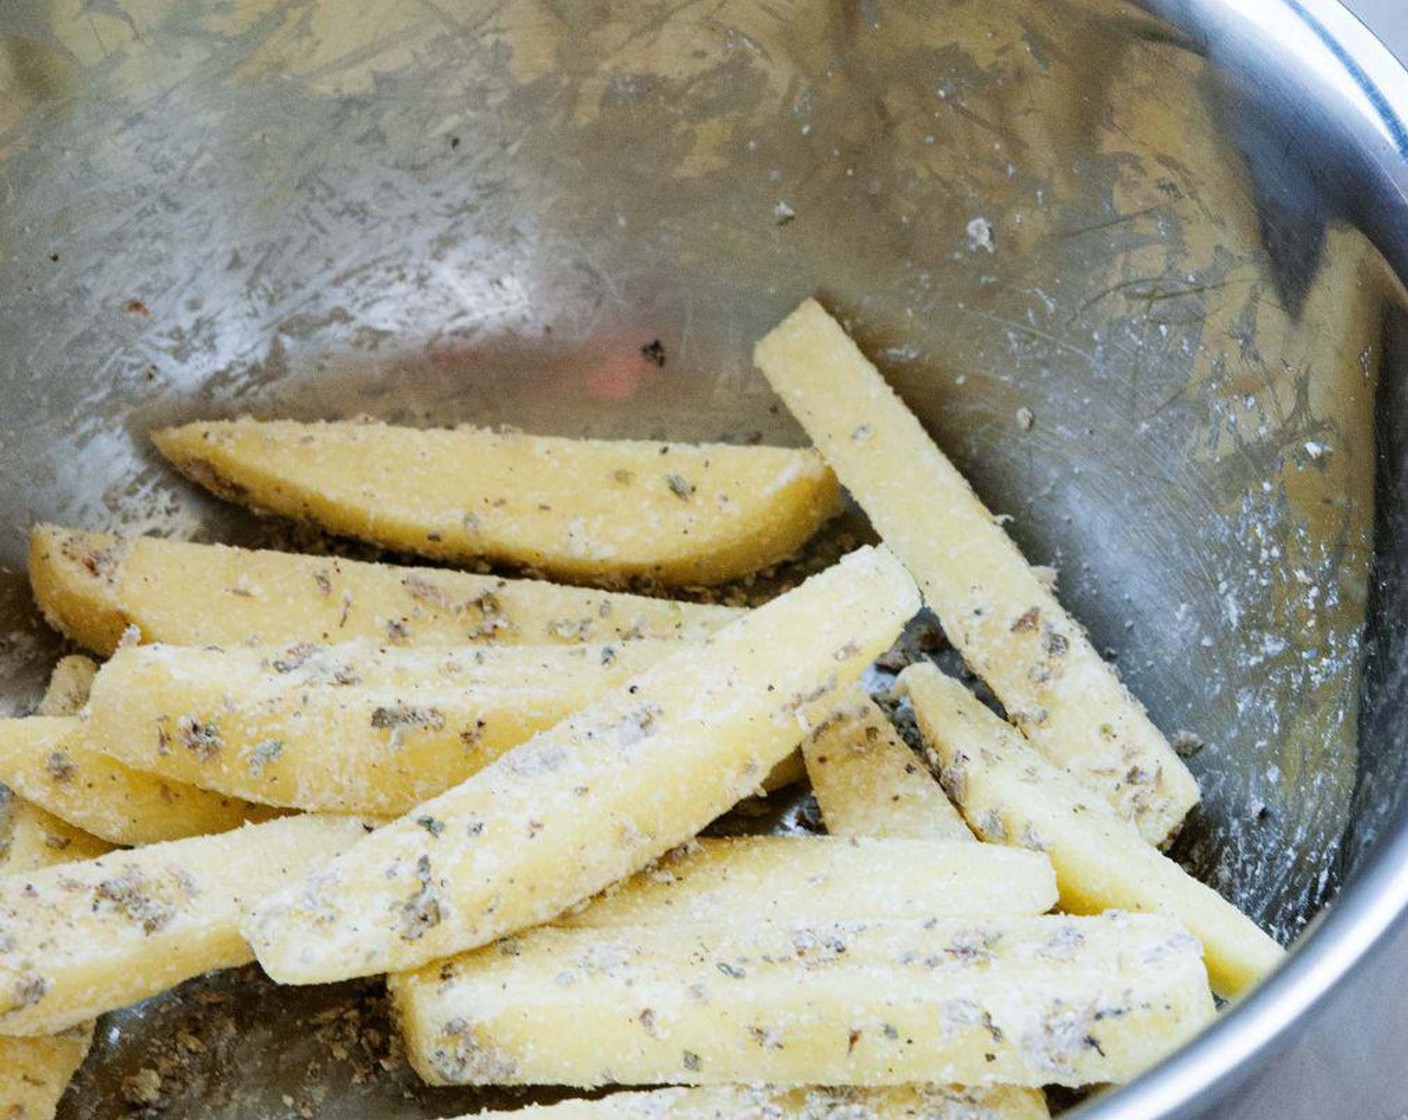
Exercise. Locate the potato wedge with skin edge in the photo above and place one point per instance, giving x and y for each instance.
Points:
(1012, 795)
(1058, 689)
(821, 878)
(49, 761)
(742, 1102)
(595, 798)
(85, 938)
(867, 782)
(1016, 1001)
(345, 728)
(92, 586)
(584, 510)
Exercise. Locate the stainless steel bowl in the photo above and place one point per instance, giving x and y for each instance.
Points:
(1170, 232)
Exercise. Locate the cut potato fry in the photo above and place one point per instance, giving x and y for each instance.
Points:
(31, 839)
(47, 760)
(817, 878)
(1056, 687)
(587, 510)
(740, 1102)
(867, 781)
(69, 685)
(93, 586)
(349, 728)
(85, 938)
(1019, 1001)
(34, 1072)
(1010, 794)
(595, 798)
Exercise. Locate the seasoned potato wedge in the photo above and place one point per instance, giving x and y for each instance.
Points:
(586, 510)
(1065, 697)
(348, 728)
(1010, 794)
(84, 938)
(69, 685)
(738, 1102)
(867, 781)
(31, 838)
(93, 586)
(34, 1072)
(1019, 1001)
(48, 760)
(596, 797)
(817, 878)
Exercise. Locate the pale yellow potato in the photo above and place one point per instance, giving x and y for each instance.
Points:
(820, 878)
(84, 938)
(1018, 1001)
(34, 1072)
(94, 586)
(1057, 688)
(31, 838)
(49, 761)
(595, 798)
(867, 782)
(347, 728)
(69, 685)
(748, 1102)
(1011, 795)
(586, 510)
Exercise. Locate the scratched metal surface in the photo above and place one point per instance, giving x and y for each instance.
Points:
(472, 211)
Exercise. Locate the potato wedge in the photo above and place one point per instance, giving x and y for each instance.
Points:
(347, 728)
(595, 798)
(48, 760)
(1057, 688)
(867, 782)
(819, 878)
(586, 510)
(69, 685)
(85, 938)
(1019, 1001)
(1011, 795)
(34, 1072)
(93, 586)
(740, 1102)
(30, 838)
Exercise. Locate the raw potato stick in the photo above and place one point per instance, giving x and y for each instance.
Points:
(587, 510)
(345, 728)
(746, 1102)
(30, 838)
(818, 878)
(595, 798)
(69, 685)
(85, 938)
(1019, 1001)
(1011, 795)
(93, 586)
(34, 1072)
(867, 782)
(48, 760)
(1056, 687)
